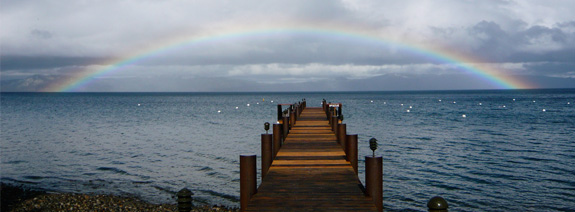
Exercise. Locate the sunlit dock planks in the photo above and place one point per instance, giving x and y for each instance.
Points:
(310, 172)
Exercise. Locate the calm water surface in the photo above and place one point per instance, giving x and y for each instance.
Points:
(480, 150)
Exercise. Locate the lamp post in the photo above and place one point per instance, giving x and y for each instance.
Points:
(373, 145)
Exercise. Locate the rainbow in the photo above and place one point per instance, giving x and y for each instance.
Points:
(472, 65)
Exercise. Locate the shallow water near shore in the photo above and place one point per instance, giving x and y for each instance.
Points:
(509, 150)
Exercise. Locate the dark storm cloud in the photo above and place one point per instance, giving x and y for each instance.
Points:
(556, 69)
(11, 62)
(531, 44)
(493, 41)
(28, 84)
(561, 55)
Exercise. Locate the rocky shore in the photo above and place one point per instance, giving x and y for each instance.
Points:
(19, 199)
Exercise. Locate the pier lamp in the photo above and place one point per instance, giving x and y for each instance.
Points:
(267, 127)
(373, 145)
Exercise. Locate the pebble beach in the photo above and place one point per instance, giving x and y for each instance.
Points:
(19, 199)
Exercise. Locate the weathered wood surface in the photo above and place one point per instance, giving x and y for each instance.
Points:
(310, 173)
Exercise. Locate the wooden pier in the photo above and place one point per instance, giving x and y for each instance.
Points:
(311, 171)
(309, 163)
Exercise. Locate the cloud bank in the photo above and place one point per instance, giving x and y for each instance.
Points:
(44, 42)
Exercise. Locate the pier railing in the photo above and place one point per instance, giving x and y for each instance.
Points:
(271, 144)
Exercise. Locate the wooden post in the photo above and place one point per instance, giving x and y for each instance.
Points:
(374, 180)
(267, 153)
(291, 118)
(341, 132)
(277, 136)
(296, 108)
(351, 142)
(285, 122)
(334, 124)
(248, 181)
(185, 200)
(279, 112)
(295, 112)
(327, 110)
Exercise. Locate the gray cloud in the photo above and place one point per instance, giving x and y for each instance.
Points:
(44, 41)
(27, 84)
(17, 62)
(42, 34)
(553, 69)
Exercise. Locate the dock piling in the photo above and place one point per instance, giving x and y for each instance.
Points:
(285, 123)
(374, 179)
(185, 200)
(351, 142)
(341, 137)
(292, 119)
(267, 153)
(280, 112)
(334, 124)
(277, 138)
(248, 181)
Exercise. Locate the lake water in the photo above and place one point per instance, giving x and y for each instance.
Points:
(498, 150)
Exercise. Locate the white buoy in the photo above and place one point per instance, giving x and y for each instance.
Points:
(237, 108)
(384, 103)
(138, 105)
(402, 105)
(410, 107)
(272, 101)
(513, 99)
(219, 111)
(464, 116)
(533, 100)
(371, 101)
(440, 100)
(248, 105)
(568, 103)
(408, 111)
(257, 103)
(503, 106)
(544, 110)
(454, 102)
(480, 103)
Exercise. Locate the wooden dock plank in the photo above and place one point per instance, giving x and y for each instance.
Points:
(310, 173)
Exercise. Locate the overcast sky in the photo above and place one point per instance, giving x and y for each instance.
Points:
(45, 42)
